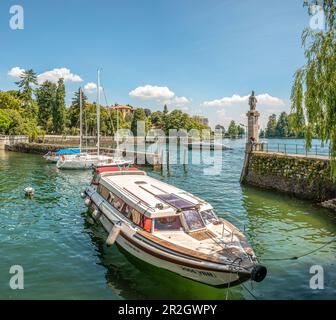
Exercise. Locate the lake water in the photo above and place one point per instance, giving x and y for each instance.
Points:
(65, 257)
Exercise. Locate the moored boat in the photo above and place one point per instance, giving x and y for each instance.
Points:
(88, 161)
(170, 228)
(55, 156)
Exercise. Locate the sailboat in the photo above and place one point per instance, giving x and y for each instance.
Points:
(85, 160)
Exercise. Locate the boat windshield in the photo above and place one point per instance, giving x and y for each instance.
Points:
(193, 220)
(209, 216)
(167, 224)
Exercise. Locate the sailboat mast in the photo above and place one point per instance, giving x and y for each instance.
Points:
(80, 117)
(98, 111)
(117, 130)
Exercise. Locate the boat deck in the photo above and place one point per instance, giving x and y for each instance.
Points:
(151, 192)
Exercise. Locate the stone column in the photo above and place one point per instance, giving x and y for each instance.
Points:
(253, 119)
(253, 125)
(252, 132)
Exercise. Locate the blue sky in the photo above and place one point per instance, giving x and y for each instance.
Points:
(201, 56)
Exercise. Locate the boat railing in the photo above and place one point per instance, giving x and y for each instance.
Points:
(132, 196)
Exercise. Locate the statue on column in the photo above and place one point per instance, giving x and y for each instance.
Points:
(253, 102)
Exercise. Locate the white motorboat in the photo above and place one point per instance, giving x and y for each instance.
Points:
(170, 228)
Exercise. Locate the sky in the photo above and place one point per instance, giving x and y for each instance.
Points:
(201, 56)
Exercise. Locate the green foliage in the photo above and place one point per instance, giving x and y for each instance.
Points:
(233, 129)
(313, 174)
(28, 78)
(241, 130)
(165, 110)
(314, 90)
(283, 127)
(9, 101)
(4, 122)
(139, 115)
(157, 118)
(45, 98)
(58, 111)
(73, 111)
(271, 126)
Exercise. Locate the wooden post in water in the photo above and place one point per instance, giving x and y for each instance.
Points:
(185, 159)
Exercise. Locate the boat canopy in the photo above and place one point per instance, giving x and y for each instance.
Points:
(67, 151)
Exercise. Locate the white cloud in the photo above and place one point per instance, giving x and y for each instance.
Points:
(15, 72)
(263, 99)
(91, 87)
(160, 94)
(149, 92)
(266, 99)
(55, 74)
(180, 101)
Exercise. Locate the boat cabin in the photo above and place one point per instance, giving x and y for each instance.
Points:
(150, 204)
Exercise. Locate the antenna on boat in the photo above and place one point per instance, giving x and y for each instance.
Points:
(80, 117)
(98, 111)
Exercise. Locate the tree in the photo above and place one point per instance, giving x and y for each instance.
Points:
(314, 89)
(148, 112)
(45, 98)
(271, 126)
(282, 127)
(28, 78)
(241, 130)
(73, 112)
(157, 118)
(59, 111)
(165, 110)
(9, 101)
(139, 115)
(4, 122)
(232, 130)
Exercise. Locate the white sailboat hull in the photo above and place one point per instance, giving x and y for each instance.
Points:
(88, 161)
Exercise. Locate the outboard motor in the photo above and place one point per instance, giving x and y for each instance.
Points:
(258, 273)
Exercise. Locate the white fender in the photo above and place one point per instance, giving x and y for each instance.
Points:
(113, 235)
(87, 202)
(96, 214)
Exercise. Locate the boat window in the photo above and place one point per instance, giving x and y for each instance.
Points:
(118, 203)
(110, 197)
(104, 192)
(136, 217)
(209, 216)
(127, 212)
(193, 220)
(167, 224)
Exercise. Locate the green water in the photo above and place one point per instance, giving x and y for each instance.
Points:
(64, 257)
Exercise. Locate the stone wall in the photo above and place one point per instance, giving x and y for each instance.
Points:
(302, 176)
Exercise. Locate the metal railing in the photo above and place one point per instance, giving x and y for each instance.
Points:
(300, 149)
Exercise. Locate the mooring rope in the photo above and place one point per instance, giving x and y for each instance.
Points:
(300, 256)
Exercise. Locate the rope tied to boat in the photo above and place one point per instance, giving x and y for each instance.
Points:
(300, 256)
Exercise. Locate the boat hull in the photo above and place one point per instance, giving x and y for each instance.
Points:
(213, 274)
